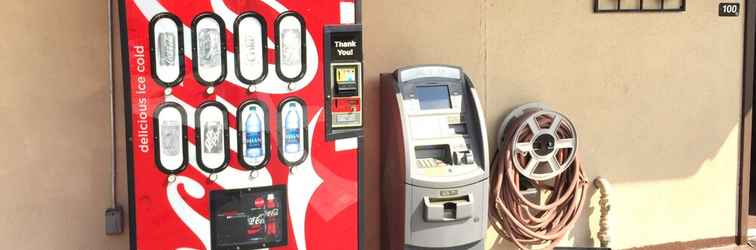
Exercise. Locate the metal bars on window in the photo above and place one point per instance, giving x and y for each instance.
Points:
(604, 6)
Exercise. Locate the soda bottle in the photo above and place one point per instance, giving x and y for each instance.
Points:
(291, 128)
(256, 220)
(271, 217)
(253, 136)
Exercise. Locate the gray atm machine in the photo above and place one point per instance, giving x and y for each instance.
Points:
(435, 160)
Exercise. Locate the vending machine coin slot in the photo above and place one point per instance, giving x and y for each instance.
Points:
(343, 81)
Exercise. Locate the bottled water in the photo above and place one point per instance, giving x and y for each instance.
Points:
(291, 128)
(253, 135)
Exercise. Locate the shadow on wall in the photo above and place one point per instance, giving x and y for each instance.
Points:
(656, 103)
(650, 101)
(674, 204)
(640, 145)
(676, 152)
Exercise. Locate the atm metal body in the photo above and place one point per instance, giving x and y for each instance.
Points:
(244, 123)
(435, 160)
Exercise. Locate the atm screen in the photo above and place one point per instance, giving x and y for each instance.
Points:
(433, 97)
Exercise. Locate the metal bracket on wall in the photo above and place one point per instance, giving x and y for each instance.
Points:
(602, 6)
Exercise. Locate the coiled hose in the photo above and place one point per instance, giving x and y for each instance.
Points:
(512, 215)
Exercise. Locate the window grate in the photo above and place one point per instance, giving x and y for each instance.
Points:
(603, 6)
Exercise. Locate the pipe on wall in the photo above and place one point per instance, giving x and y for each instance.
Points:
(605, 189)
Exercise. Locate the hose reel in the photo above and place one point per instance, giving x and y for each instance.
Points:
(537, 146)
(545, 142)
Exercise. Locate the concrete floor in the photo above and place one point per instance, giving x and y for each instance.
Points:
(732, 247)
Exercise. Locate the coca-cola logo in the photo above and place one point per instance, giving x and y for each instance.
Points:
(260, 219)
(256, 220)
(271, 212)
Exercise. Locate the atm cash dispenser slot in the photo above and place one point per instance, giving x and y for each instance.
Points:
(448, 208)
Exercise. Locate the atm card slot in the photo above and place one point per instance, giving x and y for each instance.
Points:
(458, 129)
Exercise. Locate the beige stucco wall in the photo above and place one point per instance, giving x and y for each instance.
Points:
(55, 148)
(655, 98)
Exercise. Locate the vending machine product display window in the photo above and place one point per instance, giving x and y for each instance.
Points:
(212, 137)
(170, 138)
(251, 47)
(166, 50)
(291, 52)
(209, 49)
(254, 135)
(292, 132)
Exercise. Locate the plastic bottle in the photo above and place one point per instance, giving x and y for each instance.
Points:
(291, 138)
(253, 135)
(271, 217)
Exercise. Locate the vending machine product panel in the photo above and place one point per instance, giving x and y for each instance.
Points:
(229, 110)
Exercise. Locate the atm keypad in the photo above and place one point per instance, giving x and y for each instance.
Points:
(430, 163)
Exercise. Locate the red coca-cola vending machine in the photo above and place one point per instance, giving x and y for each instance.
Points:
(244, 123)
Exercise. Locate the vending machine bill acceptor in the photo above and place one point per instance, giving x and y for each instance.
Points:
(435, 160)
(244, 123)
